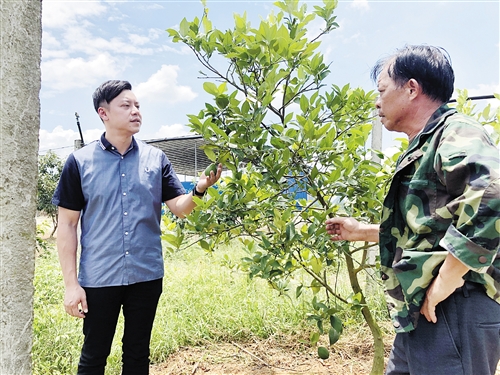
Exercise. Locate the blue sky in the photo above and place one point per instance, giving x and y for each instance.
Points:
(88, 42)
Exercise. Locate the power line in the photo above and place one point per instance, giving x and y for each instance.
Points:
(54, 148)
(480, 97)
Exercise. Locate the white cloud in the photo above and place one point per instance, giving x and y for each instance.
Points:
(50, 41)
(62, 141)
(81, 40)
(183, 50)
(171, 131)
(360, 4)
(138, 40)
(70, 73)
(352, 38)
(75, 56)
(481, 90)
(151, 6)
(63, 13)
(155, 33)
(48, 54)
(162, 87)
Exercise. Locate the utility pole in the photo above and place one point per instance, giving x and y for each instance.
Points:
(79, 142)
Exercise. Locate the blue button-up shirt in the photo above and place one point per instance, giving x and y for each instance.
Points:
(120, 199)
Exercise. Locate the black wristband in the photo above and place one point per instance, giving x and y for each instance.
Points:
(197, 193)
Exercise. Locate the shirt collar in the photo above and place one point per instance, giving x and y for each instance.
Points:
(438, 117)
(436, 120)
(105, 145)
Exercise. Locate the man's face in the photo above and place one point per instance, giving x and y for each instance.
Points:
(122, 114)
(392, 103)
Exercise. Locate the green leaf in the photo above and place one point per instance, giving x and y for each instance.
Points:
(311, 47)
(207, 25)
(204, 245)
(219, 131)
(486, 112)
(314, 338)
(222, 88)
(304, 104)
(298, 291)
(222, 102)
(319, 323)
(336, 323)
(173, 33)
(333, 336)
(265, 242)
(171, 239)
(184, 27)
(240, 22)
(211, 88)
(290, 231)
(277, 142)
(286, 156)
(255, 51)
(210, 153)
(316, 265)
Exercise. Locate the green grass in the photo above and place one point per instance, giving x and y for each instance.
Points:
(202, 301)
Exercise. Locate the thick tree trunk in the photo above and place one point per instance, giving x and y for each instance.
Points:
(20, 80)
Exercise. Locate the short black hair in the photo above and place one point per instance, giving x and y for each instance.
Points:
(429, 66)
(107, 91)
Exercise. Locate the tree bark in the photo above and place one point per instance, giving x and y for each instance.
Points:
(378, 340)
(20, 81)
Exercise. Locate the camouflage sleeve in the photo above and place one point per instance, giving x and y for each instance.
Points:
(467, 163)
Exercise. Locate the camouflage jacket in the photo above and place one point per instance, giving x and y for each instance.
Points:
(444, 197)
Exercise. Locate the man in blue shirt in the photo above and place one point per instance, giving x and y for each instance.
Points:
(115, 187)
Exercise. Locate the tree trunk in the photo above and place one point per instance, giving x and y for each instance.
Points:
(20, 81)
(378, 340)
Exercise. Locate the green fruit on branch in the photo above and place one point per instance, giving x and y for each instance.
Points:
(211, 167)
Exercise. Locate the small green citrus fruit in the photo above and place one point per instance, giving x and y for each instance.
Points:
(323, 352)
(211, 167)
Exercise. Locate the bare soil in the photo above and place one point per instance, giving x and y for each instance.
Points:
(274, 356)
(352, 355)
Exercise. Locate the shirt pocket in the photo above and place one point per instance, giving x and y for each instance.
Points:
(418, 202)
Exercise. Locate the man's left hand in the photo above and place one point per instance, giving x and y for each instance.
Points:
(437, 292)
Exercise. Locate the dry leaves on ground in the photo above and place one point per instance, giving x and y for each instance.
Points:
(276, 355)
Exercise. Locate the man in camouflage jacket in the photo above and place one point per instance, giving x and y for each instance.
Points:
(440, 230)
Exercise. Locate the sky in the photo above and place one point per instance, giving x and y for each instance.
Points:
(85, 43)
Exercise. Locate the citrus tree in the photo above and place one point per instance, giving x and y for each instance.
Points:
(295, 149)
(50, 166)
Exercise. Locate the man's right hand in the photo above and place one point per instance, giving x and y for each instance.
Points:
(75, 301)
(349, 229)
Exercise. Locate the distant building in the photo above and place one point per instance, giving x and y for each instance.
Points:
(186, 156)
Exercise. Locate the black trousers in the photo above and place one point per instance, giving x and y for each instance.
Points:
(139, 302)
(464, 341)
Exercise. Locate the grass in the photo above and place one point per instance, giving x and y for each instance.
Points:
(202, 301)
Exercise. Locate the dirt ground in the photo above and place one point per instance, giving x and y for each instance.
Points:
(274, 356)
